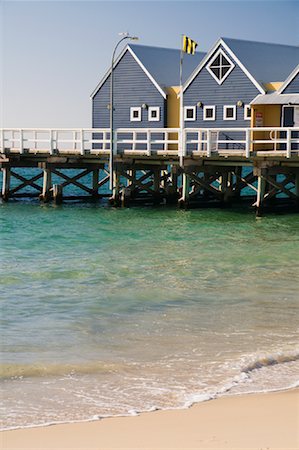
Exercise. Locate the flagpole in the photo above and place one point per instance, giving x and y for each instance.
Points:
(181, 102)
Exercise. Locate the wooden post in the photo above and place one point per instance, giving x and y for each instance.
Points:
(184, 200)
(172, 188)
(261, 186)
(95, 183)
(237, 188)
(57, 193)
(5, 183)
(297, 187)
(115, 197)
(47, 183)
(156, 185)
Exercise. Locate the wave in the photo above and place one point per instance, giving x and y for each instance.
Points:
(270, 360)
(14, 371)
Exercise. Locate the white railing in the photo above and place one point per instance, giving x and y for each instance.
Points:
(153, 141)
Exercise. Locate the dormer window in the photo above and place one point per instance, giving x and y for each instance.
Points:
(220, 66)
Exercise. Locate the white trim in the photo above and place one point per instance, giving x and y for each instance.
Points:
(232, 65)
(189, 119)
(213, 107)
(134, 109)
(246, 108)
(99, 85)
(206, 59)
(225, 108)
(128, 48)
(288, 80)
(154, 108)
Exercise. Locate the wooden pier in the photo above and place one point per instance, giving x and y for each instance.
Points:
(195, 167)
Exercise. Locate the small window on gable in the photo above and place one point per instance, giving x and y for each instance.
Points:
(220, 66)
(154, 113)
(229, 112)
(209, 112)
(189, 113)
(135, 114)
(247, 112)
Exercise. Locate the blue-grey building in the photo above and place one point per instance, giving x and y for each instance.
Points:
(142, 76)
(233, 73)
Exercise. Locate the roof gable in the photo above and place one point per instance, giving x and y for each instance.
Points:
(264, 61)
(289, 79)
(261, 62)
(221, 44)
(161, 65)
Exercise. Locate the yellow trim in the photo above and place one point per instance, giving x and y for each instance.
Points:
(273, 86)
(173, 107)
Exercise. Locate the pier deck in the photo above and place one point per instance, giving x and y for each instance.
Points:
(189, 167)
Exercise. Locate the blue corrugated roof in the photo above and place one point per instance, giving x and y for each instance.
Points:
(164, 63)
(266, 62)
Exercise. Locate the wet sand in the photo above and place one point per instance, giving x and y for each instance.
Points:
(259, 421)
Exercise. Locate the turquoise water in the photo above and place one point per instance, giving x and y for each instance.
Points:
(114, 311)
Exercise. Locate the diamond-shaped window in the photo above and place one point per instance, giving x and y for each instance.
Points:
(220, 66)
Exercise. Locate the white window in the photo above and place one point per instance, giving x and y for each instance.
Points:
(209, 112)
(220, 66)
(247, 112)
(154, 113)
(229, 112)
(135, 114)
(189, 113)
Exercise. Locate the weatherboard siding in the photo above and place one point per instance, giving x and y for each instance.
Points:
(204, 89)
(132, 88)
(293, 86)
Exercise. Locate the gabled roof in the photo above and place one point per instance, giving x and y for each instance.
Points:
(266, 62)
(289, 79)
(161, 65)
(261, 62)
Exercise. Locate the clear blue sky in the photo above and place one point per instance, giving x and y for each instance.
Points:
(54, 53)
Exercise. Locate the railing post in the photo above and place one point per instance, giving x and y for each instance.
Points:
(82, 142)
(148, 142)
(2, 148)
(21, 141)
(51, 142)
(289, 142)
(209, 143)
(134, 140)
(248, 143)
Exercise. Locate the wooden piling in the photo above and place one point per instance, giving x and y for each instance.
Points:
(57, 193)
(47, 186)
(261, 187)
(5, 183)
(184, 200)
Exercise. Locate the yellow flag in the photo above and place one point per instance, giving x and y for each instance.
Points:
(189, 45)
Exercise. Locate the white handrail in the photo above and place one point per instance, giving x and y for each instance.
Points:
(208, 141)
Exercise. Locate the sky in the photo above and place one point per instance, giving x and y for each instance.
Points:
(54, 53)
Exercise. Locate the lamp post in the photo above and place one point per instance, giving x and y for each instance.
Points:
(124, 37)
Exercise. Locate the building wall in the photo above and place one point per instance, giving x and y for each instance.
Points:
(293, 87)
(132, 88)
(206, 90)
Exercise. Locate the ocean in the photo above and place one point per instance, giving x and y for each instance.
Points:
(108, 312)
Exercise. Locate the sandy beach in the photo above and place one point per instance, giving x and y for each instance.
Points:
(262, 421)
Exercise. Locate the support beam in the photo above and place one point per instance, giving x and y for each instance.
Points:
(57, 193)
(47, 184)
(5, 183)
(95, 183)
(261, 186)
(184, 200)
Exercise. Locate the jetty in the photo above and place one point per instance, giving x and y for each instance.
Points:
(192, 167)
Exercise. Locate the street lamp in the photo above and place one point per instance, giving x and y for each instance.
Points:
(124, 37)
